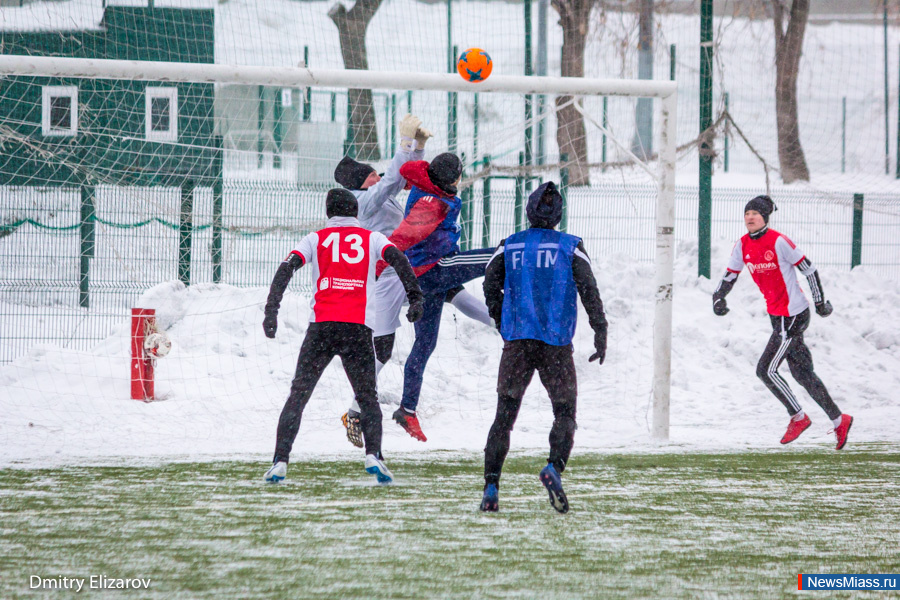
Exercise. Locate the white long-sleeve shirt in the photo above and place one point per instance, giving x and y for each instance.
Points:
(378, 208)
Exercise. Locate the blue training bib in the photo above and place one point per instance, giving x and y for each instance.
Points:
(539, 292)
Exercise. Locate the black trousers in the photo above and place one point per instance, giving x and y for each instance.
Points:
(787, 343)
(556, 369)
(323, 341)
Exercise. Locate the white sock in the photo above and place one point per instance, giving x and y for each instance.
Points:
(837, 421)
(799, 416)
(472, 307)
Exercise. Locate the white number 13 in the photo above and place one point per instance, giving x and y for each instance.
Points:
(333, 241)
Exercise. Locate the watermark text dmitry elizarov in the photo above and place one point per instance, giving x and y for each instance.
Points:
(93, 582)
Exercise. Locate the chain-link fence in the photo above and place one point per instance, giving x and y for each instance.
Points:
(137, 240)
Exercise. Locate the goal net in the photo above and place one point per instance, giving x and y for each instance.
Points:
(156, 171)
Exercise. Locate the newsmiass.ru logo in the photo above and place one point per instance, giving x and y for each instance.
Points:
(848, 582)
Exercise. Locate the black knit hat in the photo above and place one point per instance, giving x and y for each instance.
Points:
(544, 207)
(763, 205)
(444, 171)
(352, 174)
(341, 203)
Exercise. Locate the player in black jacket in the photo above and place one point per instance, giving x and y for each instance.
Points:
(530, 287)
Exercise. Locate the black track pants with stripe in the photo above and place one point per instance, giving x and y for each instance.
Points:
(323, 341)
(787, 343)
(556, 369)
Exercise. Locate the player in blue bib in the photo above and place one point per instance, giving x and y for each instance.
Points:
(530, 286)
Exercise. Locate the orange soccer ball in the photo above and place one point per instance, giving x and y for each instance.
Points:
(474, 65)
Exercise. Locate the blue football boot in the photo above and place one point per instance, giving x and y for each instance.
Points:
(551, 480)
(491, 500)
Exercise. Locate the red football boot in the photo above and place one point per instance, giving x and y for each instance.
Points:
(795, 428)
(410, 423)
(842, 430)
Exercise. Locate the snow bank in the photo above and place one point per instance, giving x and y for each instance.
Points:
(224, 383)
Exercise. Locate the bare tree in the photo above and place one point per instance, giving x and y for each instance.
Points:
(642, 143)
(570, 133)
(352, 27)
(788, 49)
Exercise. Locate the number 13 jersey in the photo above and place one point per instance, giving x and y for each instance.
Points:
(343, 257)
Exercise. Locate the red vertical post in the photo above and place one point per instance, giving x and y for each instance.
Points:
(141, 364)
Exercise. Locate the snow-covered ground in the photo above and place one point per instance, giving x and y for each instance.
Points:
(223, 385)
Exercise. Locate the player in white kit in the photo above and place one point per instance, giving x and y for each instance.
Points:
(380, 211)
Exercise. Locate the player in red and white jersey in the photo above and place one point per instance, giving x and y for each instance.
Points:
(771, 258)
(342, 314)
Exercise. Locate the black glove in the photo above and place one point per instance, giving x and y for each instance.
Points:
(496, 317)
(600, 347)
(416, 309)
(270, 324)
(823, 309)
(720, 307)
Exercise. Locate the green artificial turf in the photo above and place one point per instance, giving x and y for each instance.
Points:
(689, 525)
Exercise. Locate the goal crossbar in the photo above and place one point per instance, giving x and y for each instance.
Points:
(50, 66)
(665, 91)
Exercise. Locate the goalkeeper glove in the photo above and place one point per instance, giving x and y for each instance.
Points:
(422, 136)
(409, 125)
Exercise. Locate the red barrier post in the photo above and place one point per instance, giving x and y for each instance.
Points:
(142, 320)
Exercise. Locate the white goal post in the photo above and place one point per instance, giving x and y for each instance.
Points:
(298, 77)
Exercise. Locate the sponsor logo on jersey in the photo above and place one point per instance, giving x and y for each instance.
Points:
(323, 285)
(761, 267)
(342, 283)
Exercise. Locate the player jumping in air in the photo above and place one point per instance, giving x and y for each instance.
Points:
(429, 235)
(771, 258)
(380, 211)
(343, 256)
(530, 287)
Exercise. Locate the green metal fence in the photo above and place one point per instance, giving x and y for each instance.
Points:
(139, 236)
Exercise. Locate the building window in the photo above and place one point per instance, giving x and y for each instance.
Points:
(162, 114)
(59, 110)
